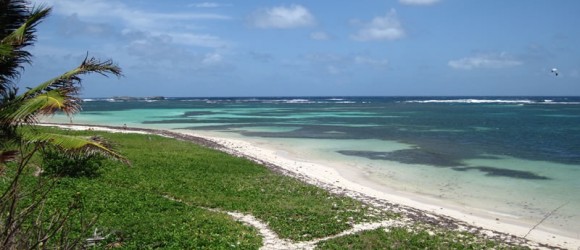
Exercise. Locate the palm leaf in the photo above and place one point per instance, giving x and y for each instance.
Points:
(46, 103)
(5, 50)
(75, 144)
(17, 31)
(14, 13)
(24, 35)
(71, 79)
(57, 94)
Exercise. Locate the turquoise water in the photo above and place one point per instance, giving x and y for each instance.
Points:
(514, 156)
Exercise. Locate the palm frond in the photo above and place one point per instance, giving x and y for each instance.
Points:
(5, 50)
(57, 94)
(46, 103)
(76, 144)
(24, 35)
(17, 31)
(14, 14)
(7, 130)
(71, 80)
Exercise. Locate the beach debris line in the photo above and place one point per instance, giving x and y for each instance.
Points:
(545, 217)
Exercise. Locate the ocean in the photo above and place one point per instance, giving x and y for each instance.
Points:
(517, 157)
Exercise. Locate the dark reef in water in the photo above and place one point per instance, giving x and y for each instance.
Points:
(491, 171)
(407, 156)
(418, 156)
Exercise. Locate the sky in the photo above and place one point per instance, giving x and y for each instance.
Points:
(186, 48)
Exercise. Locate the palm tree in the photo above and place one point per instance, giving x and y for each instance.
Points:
(18, 22)
(17, 30)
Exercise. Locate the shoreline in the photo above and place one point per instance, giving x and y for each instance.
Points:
(414, 207)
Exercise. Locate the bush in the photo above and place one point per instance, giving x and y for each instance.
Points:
(61, 164)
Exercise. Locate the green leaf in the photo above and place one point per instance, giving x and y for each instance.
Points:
(26, 110)
(70, 79)
(75, 144)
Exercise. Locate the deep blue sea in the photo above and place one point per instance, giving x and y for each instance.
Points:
(515, 156)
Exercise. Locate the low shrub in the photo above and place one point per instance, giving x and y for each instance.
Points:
(58, 163)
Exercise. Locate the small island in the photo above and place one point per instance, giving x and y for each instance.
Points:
(132, 98)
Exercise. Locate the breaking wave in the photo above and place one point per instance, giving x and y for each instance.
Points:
(494, 101)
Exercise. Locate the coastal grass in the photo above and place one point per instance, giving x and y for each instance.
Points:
(202, 177)
(407, 238)
(173, 191)
(175, 195)
(135, 219)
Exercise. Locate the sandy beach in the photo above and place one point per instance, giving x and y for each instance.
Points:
(350, 182)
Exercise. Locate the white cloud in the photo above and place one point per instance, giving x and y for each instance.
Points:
(319, 35)
(134, 18)
(325, 58)
(139, 21)
(261, 56)
(386, 27)
(418, 2)
(282, 17)
(154, 49)
(73, 26)
(202, 40)
(212, 58)
(333, 70)
(492, 60)
(208, 5)
(362, 60)
(161, 52)
(335, 64)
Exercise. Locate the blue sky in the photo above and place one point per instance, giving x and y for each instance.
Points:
(315, 48)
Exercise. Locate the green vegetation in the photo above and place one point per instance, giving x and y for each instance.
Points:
(57, 163)
(403, 238)
(176, 193)
(164, 170)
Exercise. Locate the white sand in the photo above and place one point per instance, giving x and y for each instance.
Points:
(359, 187)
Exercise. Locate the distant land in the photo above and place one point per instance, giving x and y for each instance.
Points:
(132, 98)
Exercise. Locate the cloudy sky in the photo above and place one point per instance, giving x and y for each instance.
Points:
(315, 48)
